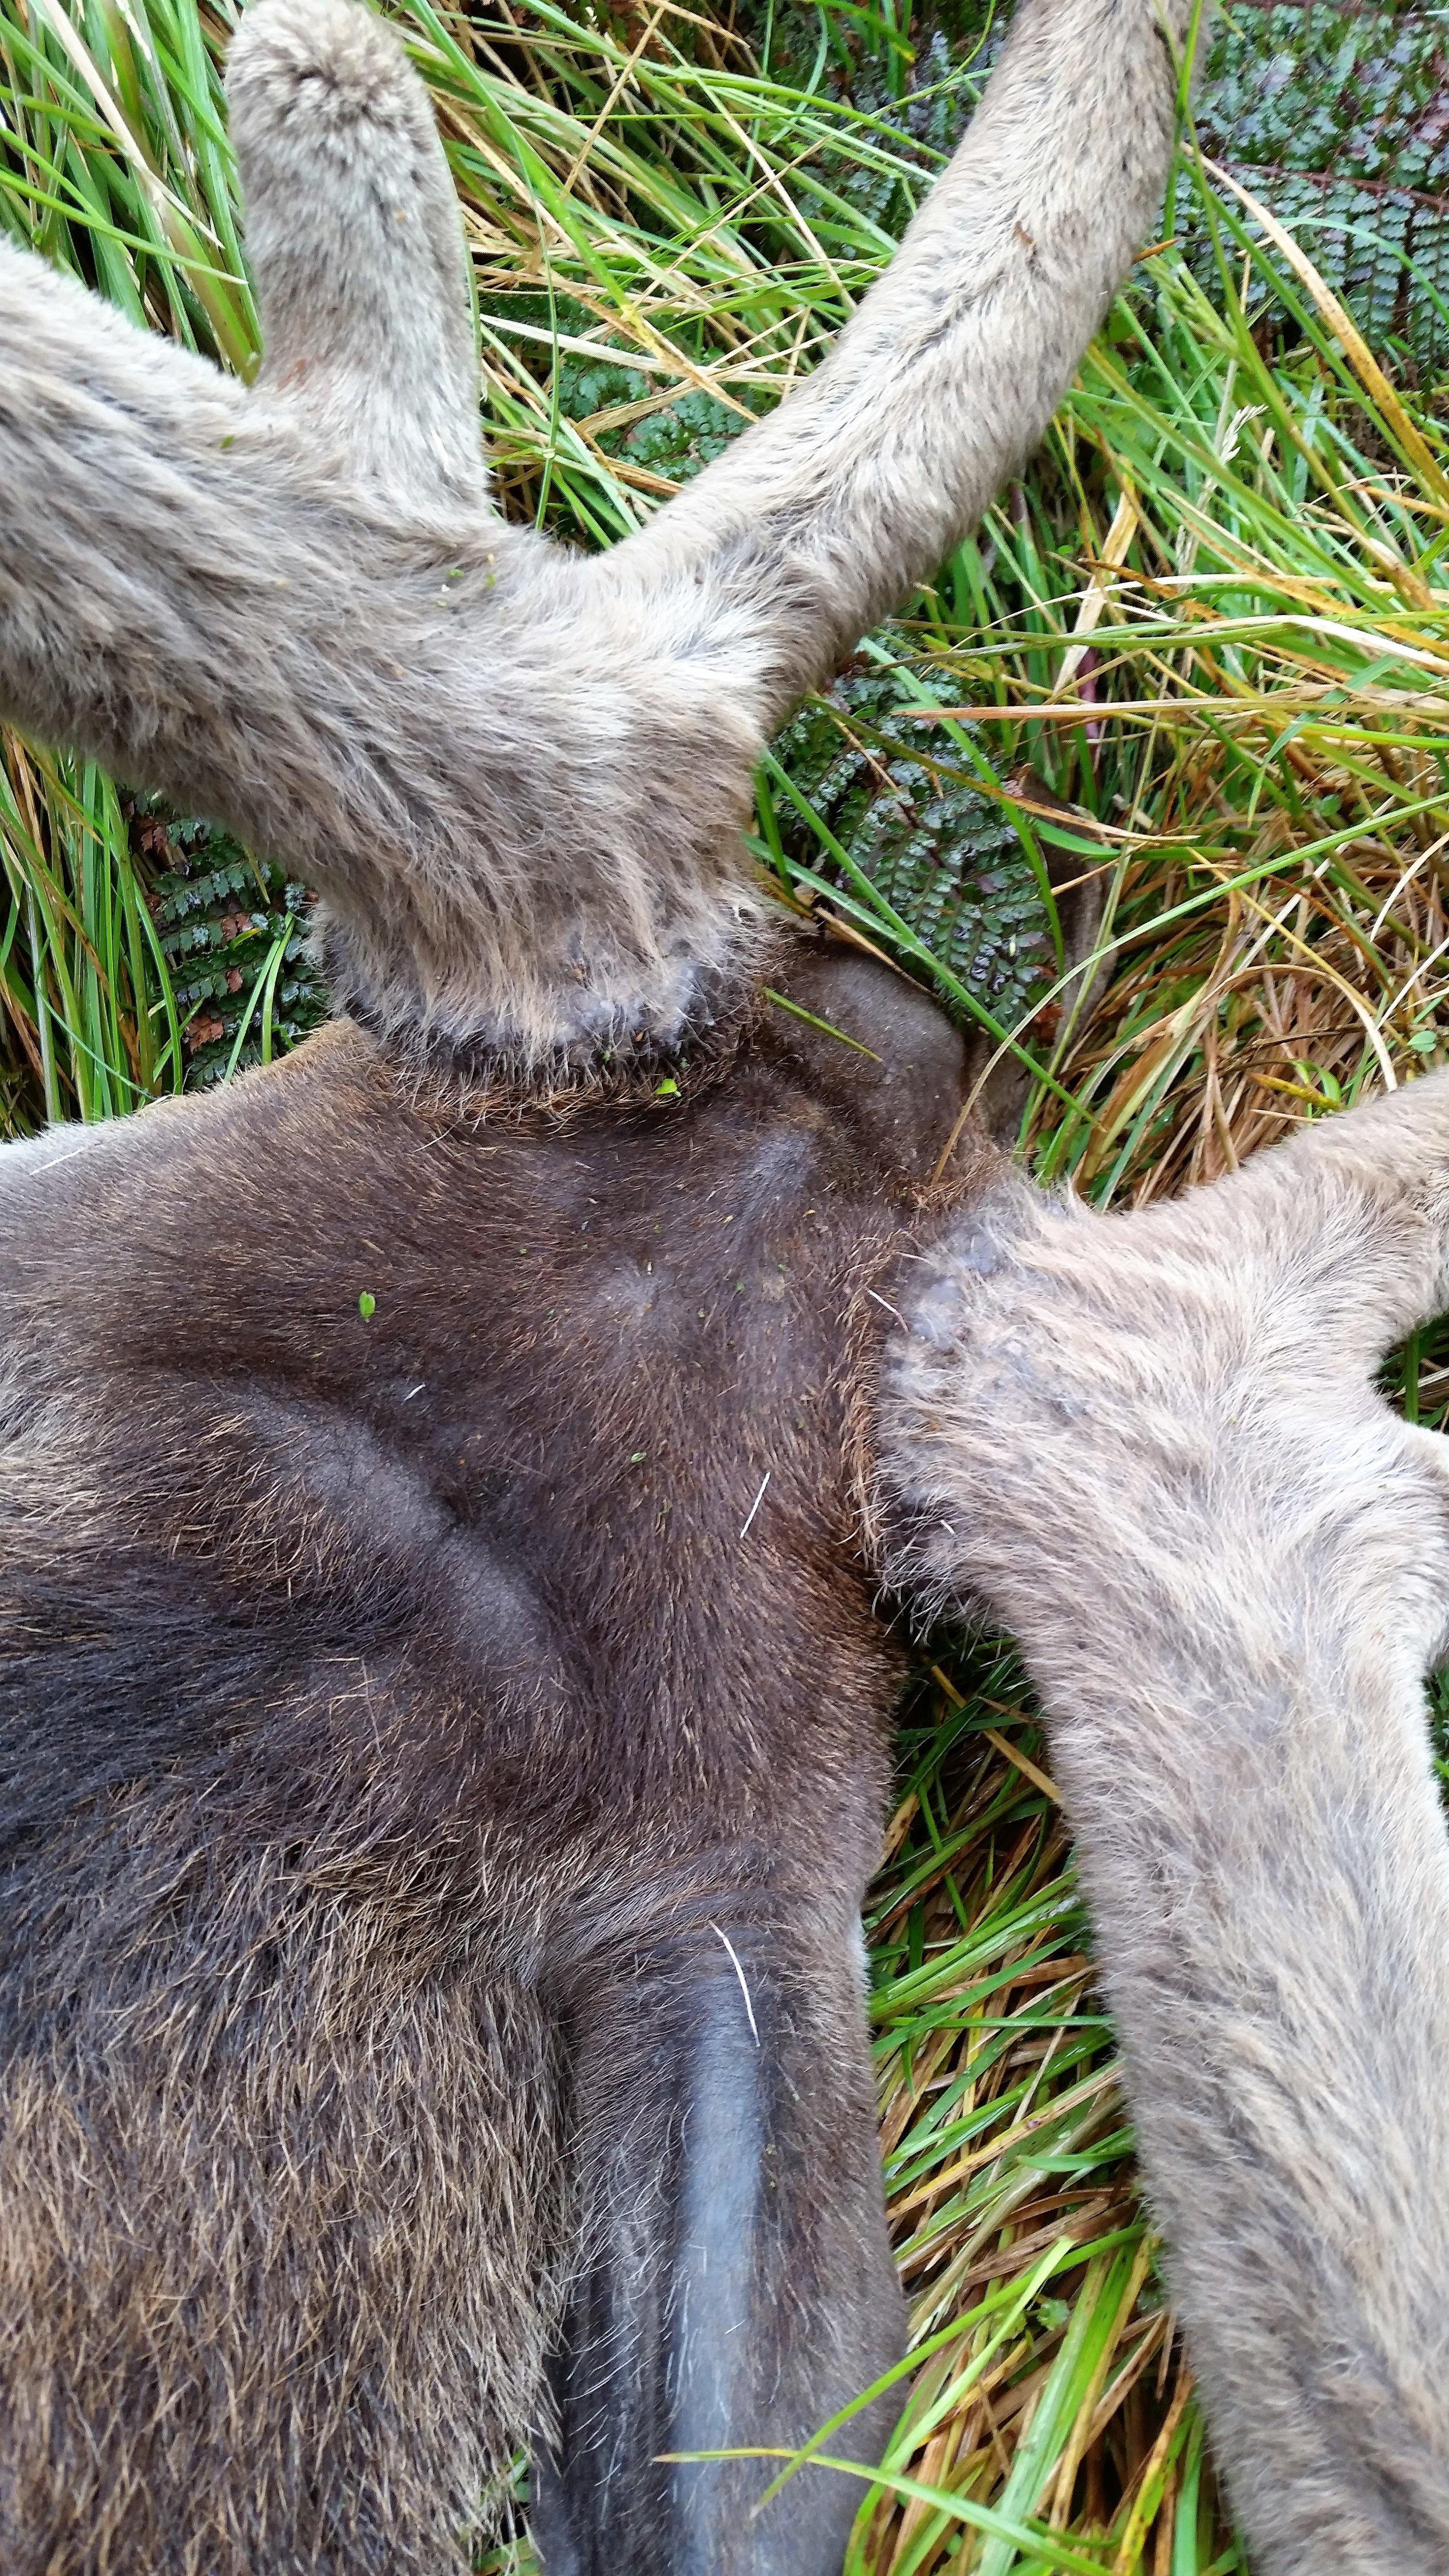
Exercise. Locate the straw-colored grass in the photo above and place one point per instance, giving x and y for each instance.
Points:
(1205, 647)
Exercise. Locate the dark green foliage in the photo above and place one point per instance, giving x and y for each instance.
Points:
(922, 101)
(943, 853)
(681, 437)
(233, 932)
(1337, 117)
(673, 438)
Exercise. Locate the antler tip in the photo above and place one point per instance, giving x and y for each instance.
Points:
(330, 65)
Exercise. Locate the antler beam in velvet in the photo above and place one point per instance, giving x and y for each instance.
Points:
(1153, 1446)
(516, 774)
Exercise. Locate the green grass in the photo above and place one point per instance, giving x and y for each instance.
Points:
(1204, 647)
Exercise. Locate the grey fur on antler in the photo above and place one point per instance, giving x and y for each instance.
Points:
(1154, 1447)
(516, 774)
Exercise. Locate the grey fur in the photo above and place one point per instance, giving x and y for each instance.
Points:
(1153, 1446)
(518, 775)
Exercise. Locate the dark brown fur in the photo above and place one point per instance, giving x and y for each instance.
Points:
(294, 1939)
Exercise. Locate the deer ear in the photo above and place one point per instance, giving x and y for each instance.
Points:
(355, 236)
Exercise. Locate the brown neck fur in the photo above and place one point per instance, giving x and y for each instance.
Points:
(402, 1661)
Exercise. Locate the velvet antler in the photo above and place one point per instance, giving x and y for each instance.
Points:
(517, 774)
(1153, 1446)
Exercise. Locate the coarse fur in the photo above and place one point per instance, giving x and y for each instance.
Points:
(1154, 1447)
(389, 1763)
(445, 1744)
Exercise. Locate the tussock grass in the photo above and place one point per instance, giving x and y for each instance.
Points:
(1203, 649)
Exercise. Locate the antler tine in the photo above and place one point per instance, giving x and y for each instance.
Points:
(356, 240)
(255, 602)
(1151, 1444)
(195, 596)
(811, 527)
(1354, 1214)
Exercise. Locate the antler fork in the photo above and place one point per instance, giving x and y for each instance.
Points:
(517, 774)
(1153, 1446)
